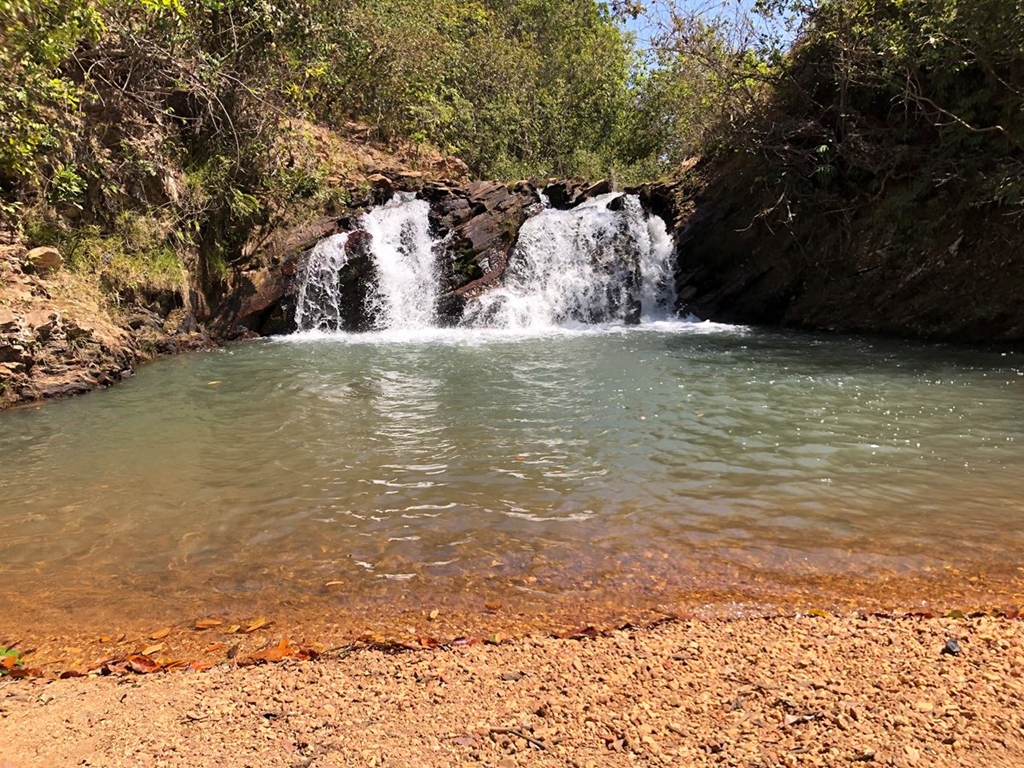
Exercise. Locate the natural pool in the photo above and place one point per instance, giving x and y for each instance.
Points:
(672, 465)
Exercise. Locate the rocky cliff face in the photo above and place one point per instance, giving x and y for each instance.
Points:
(58, 338)
(931, 268)
(950, 272)
(483, 219)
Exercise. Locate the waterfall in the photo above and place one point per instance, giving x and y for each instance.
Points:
(405, 294)
(601, 261)
(657, 273)
(404, 290)
(318, 304)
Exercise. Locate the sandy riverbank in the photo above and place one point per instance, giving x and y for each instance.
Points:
(820, 690)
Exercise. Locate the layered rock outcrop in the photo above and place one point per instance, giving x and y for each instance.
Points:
(57, 338)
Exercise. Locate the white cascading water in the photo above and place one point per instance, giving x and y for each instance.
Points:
(405, 293)
(318, 307)
(658, 279)
(593, 263)
(587, 264)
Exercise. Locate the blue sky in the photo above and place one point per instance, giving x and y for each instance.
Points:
(658, 12)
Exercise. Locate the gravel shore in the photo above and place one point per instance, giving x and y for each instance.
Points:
(804, 690)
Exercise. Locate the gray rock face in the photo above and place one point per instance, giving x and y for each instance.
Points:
(484, 218)
(564, 195)
(355, 283)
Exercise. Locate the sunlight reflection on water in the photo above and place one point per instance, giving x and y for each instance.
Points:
(697, 451)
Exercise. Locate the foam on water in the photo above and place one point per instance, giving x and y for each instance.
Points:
(470, 336)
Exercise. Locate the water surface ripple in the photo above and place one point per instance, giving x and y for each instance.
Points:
(689, 455)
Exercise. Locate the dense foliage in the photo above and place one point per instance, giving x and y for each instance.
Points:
(512, 86)
(188, 113)
(851, 91)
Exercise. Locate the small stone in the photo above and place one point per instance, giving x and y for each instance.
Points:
(913, 753)
(951, 648)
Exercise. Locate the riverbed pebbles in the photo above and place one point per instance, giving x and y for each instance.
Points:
(790, 691)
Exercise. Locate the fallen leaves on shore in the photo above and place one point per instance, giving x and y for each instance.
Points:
(142, 664)
(280, 652)
(261, 623)
(145, 661)
(11, 665)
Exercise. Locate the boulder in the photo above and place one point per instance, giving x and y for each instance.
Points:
(44, 260)
(144, 319)
(12, 352)
(380, 181)
(43, 322)
(567, 194)
(483, 219)
(602, 187)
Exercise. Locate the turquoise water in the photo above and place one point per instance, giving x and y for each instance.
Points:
(702, 456)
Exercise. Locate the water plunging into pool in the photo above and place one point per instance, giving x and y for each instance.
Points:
(598, 262)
